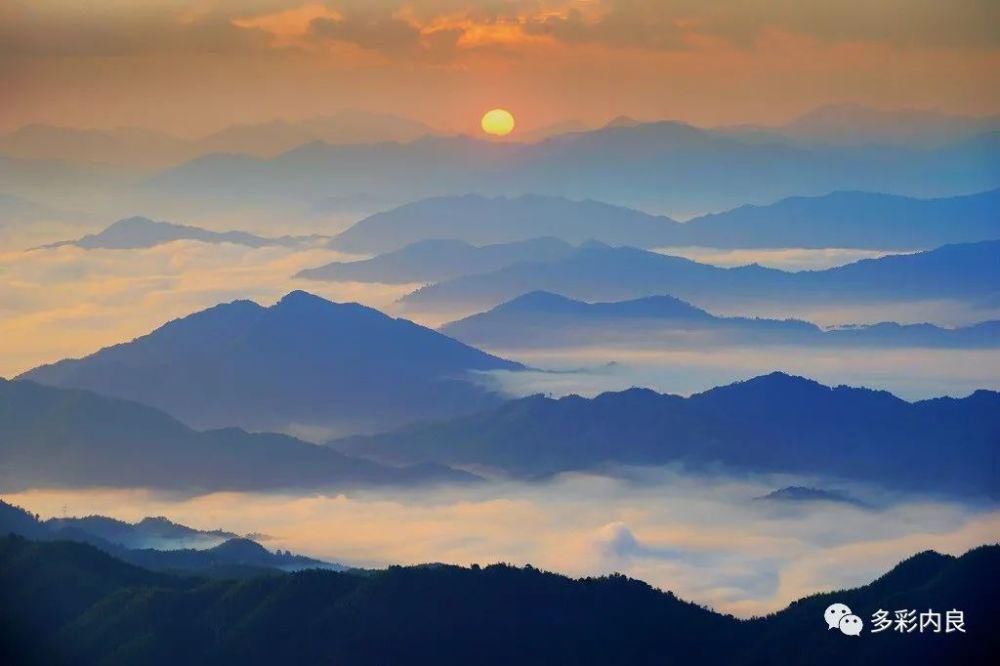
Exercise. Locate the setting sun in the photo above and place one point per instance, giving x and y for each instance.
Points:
(498, 122)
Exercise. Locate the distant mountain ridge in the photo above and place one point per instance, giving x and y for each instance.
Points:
(435, 260)
(141, 232)
(544, 319)
(303, 362)
(479, 220)
(773, 423)
(70, 438)
(840, 219)
(145, 148)
(968, 272)
(851, 220)
(660, 166)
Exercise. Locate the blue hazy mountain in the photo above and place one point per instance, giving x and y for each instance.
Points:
(773, 423)
(792, 495)
(435, 260)
(141, 232)
(854, 124)
(543, 319)
(851, 220)
(54, 437)
(839, 219)
(968, 272)
(216, 553)
(304, 361)
(663, 166)
(68, 603)
(482, 220)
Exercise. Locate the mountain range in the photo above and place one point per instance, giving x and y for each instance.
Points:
(661, 166)
(772, 423)
(479, 220)
(436, 260)
(854, 124)
(839, 219)
(141, 232)
(304, 363)
(145, 148)
(160, 545)
(68, 603)
(55, 437)
(543, 319)
(967, 272)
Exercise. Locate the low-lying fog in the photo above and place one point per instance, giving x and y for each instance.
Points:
(705, 538)
(912, 374)
(788, 259)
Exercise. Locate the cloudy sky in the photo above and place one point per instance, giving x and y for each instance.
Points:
(192, 66)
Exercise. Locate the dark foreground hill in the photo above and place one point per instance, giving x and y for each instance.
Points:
(773, 423)
(52, 437)
(67, 603)
(160, 545)
(304, 362)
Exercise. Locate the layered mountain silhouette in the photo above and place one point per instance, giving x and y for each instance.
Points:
(772, 423)
(304, 362)
(851, 220)
(967, 272)
(141, 232)
(68, 603)
(662, 166)
(479, 220)
(840, 219)
(144, 148)
(543, 319)
(436, 260)
(54, 437)
(217, 553)
(855, 124)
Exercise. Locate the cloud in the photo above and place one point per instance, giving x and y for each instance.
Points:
(68, 301)
(700, 536)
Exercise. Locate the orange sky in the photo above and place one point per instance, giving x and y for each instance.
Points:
(191, 66)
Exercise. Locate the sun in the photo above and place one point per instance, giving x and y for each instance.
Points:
(498, 122)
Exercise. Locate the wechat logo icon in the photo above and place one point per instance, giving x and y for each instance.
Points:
(839, 616)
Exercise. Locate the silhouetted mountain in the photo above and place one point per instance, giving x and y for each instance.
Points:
(967, 272)
(343, 127)
(660, 166)
(54, 437)
(131, 146)
(480, 220)
(773, 423)
(303, 362)
(840, 219)
(435, 260)
(853, 124)
(800, 494)
(68, 603)
(216, 553)
(140, 232)
(851, 220)
(150, 532)
(542, 319)
(139, 147)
